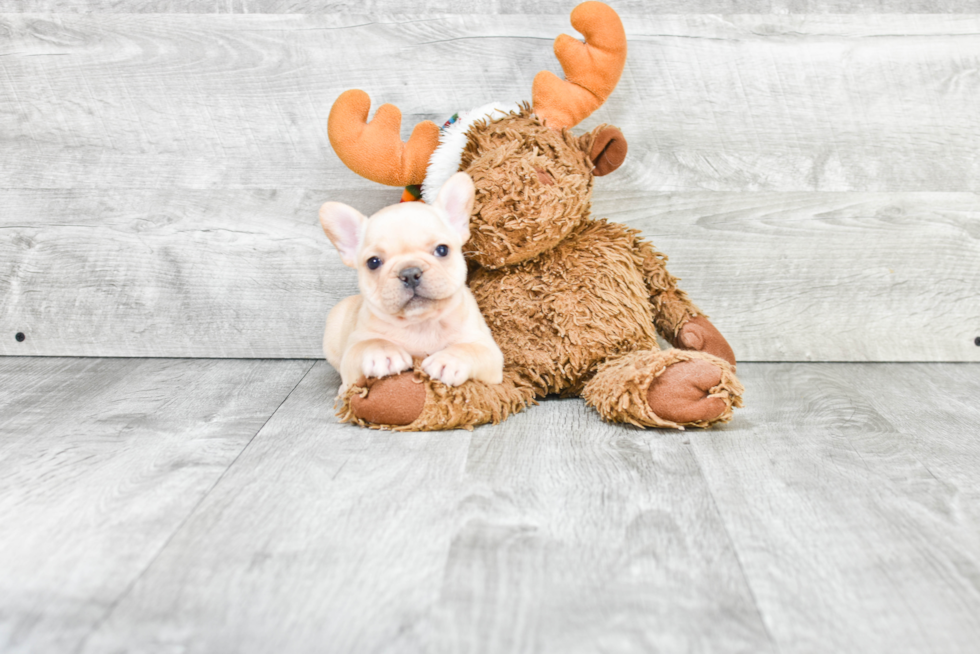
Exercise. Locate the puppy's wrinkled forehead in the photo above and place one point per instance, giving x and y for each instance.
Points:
(407, 227)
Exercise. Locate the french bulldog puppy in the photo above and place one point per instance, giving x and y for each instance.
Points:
(414, 301)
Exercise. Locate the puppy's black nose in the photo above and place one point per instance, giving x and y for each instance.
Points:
(411, 277)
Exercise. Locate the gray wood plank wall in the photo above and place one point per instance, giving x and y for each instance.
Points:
(813, 177)
(626, 8)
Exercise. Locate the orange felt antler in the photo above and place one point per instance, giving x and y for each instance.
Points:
(592, 69)
(375, 149)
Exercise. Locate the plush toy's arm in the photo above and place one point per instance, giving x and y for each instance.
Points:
(671, 306)
(676, 318)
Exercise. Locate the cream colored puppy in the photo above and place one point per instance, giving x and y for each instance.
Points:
(414, 301)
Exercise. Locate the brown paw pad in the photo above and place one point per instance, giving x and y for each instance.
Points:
(395, 400)
(680, 393)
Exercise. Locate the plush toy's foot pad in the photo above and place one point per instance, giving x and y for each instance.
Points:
(681, 393)
(669, 388)
(412, 401)
(394, 400)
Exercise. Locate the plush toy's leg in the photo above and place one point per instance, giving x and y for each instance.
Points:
(412, 401)
(669, 388)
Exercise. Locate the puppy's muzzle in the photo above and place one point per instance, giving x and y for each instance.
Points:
(411, 277)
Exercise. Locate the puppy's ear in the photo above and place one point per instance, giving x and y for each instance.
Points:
(344, 226)
(456, 199)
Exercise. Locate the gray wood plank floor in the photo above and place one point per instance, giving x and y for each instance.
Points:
(101, 460)
(217, 506)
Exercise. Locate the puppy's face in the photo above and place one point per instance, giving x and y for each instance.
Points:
(409, 256)
(410, 260)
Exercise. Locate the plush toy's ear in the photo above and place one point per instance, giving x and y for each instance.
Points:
(344, 226)
(456, 199)
(608, 149)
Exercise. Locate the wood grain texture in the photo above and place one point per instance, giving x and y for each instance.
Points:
(840, 511)
(730, 103)
(785, 276)
(581, 536)
(625, 8)
(850, 493)
(101, 461)
(826, 277)
(184, 273)
(550, 533)
(325, 537)
(813, 177)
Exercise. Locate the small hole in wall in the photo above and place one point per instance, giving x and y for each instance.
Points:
(976, 341)
(20, 337)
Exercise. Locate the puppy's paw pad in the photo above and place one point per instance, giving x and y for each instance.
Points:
(447, 368)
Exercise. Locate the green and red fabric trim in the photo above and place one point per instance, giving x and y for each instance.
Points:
(413, 192)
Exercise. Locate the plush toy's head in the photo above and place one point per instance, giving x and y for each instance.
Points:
(533, 184)
(533, 176)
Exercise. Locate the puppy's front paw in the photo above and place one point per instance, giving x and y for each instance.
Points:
(448, 368)
(385, 359)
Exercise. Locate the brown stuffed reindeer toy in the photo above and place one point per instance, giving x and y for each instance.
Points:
(573, 302)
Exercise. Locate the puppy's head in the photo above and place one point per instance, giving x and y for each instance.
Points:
(409, 256)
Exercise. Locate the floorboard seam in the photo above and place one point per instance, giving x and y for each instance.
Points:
(731, 542)
(132, 584)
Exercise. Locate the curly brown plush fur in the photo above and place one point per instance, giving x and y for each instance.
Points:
(533, 186)
(437, 406)
(574, 303)
(620, 389)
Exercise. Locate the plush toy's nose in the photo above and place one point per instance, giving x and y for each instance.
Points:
(411, 277)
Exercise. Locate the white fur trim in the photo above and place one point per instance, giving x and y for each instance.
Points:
(444, 162)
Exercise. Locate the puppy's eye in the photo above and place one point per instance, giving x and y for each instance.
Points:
(373, 263)
(442, 250)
